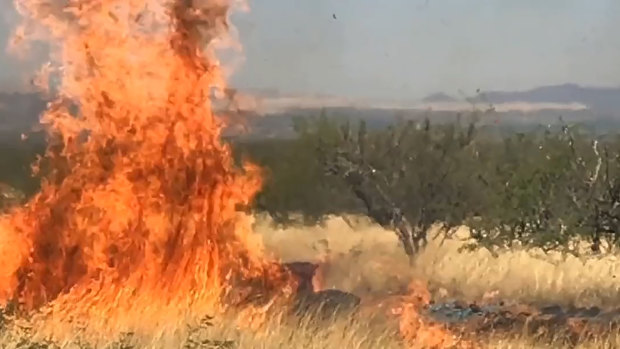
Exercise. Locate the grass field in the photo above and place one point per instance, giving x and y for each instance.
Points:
(363, 258)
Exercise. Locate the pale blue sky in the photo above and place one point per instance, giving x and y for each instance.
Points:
(404, 49)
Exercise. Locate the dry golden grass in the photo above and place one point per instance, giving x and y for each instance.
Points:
(295, 334)
(366, 259)
(277, 333)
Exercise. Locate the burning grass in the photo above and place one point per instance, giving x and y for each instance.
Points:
(343, 248)
(138, 220)
(140, 225)
(141, 228)
(296, 333)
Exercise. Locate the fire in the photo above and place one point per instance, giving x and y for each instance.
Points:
(138, 221)
(320, 273)
(417, 332)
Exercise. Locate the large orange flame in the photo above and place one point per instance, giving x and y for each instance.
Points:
(137, 221)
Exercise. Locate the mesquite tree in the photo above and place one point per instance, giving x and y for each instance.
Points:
(406, 176)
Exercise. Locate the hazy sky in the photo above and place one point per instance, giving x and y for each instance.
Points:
(404, 49)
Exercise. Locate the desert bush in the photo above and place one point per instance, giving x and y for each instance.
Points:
(543, 188)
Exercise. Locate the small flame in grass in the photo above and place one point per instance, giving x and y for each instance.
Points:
(418, 332)
(138, 224)
(319, 276)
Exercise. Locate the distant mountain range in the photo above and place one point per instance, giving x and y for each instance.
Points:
(439, 97)
(601, 100)
(19, 112)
